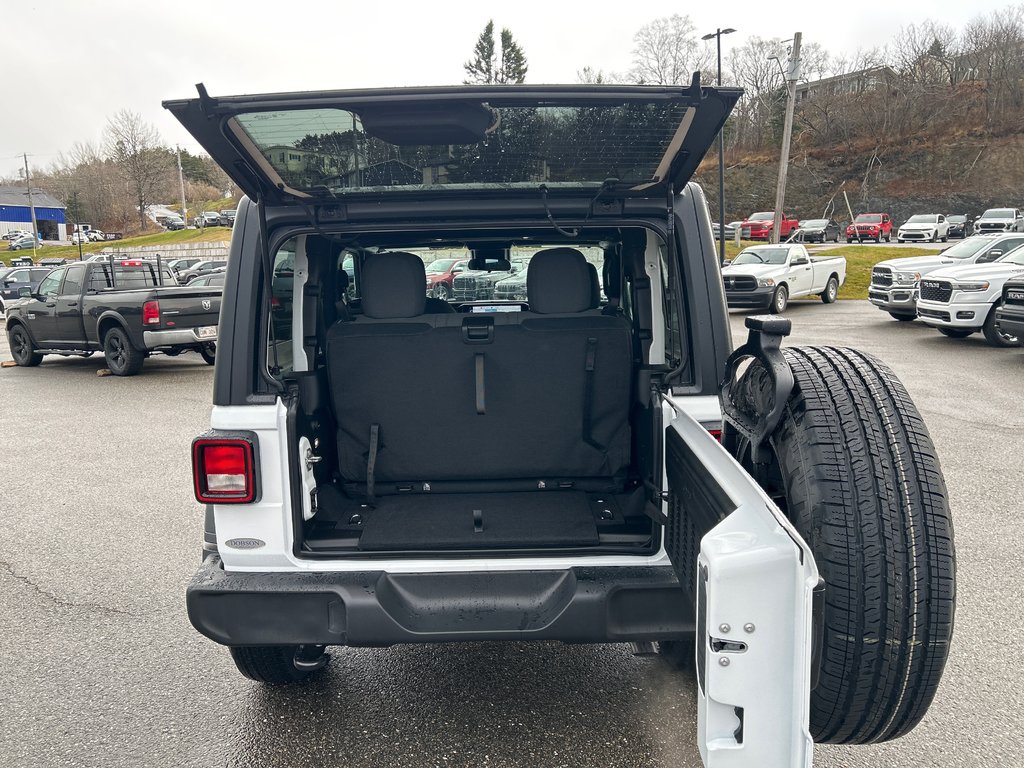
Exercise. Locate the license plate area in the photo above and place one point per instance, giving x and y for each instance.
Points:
(207, 332)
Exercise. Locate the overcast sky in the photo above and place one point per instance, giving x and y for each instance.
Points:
(69, 64)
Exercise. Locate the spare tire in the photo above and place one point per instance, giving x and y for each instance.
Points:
(853, 467)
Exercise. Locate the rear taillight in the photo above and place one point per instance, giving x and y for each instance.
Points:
(224, 470)
(151, 313)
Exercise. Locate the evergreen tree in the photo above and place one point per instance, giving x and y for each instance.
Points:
(486, 69)
(480, 70)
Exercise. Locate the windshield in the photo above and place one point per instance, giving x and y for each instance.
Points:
(338, 150)
(764, 216)
(921, 218)
(440, 266)
(869, 218)
(815, 223)
(1016, 256)
(966, 248)
(998, 213)
(956, 219)
(762, 256)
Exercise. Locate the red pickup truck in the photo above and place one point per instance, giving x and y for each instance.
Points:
(758, 226)
(870, 226)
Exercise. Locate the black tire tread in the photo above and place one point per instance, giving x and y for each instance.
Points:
(884, 548)
(272, 665)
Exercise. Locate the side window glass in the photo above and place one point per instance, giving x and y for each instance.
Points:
(99, 279)
(17, 276)
(51, 283)
(279, 343)
(73, 281)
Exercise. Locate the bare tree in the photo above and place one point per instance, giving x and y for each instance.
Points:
(135, 147)
(667, 52)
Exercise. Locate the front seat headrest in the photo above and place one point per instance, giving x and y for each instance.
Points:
(559, 281)
(393, 285)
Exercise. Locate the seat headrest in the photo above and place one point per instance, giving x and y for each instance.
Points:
(393, 285)
(559, 281)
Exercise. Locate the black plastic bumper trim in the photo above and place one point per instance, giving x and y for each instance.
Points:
(374, 608)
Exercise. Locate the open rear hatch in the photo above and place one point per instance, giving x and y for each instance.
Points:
(331, 145)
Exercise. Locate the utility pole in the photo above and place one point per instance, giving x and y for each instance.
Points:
(792, 75)
(78, 221)
(31, 206)
(717, 34)
(181, 184)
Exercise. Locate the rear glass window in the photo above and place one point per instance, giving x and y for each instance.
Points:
(125, 277)
(340, 150)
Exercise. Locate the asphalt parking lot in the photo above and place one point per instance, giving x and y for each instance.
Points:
(101, 668)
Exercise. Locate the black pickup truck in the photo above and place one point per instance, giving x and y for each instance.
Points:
(129, 309)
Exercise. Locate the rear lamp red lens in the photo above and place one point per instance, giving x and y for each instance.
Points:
(224, 471)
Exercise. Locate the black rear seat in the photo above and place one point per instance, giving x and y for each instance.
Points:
(516, 400)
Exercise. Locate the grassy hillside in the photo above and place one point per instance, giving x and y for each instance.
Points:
(207, 235)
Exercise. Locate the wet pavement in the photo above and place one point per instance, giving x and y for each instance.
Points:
(101, 534)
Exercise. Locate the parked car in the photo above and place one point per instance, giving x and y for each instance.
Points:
(21, 261)
(1000, 220)
(17, 278)
(1010, 314)
(960, 301)
(551, 475)
(924, 227)
(959, 225)
(117, 308)
(215, 279)
(730, 230)
(174, 223)
(180, 265)
(227, 217)
(200, 268)
(96, 235)
(478, 284)
(870, 226)
(894, 282)
(441, 276)
(16, 234)
(816, 231)
(513, 287)
(80, 237)
(25, 243)
(768, 276)
(207, 219)
(759, 226)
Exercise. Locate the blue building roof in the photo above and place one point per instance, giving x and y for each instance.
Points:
(14, 206)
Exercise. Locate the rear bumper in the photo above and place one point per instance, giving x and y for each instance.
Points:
(902, 300)
(1010, 319)
(374, 608)
(759, 298)
(174, 338)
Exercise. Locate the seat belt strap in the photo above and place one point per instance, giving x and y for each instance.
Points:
(588, 392)
(371, 462)
(481, 404)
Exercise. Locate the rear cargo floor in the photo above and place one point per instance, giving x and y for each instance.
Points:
(480, 520)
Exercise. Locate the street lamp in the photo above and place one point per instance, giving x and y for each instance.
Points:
(717, 34)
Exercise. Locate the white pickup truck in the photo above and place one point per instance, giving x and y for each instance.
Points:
(960, 301)
(894, 282)
(768, 276)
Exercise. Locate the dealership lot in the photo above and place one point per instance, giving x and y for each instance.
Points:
(101, 537)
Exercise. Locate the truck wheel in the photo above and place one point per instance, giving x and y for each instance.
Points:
(831, 291)
(209, 353)
(680, 654)
(902, 318)
(993, 335)
(780, 300)
(956, 333)
(279, 664)
(21, 347)
(122, 358)
(853, 467)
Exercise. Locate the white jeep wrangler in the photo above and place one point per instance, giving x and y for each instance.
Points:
(588, 465)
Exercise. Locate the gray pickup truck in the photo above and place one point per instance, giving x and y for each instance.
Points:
(129, 309)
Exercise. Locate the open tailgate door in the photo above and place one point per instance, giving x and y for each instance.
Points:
(751, 577)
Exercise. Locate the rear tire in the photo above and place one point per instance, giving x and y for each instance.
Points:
(993, 335)
(22, 351)
(902, 318)
(122, 358)
(209, 353)
(831, 292)
(956, 333)
(276, 664)
(855, 470)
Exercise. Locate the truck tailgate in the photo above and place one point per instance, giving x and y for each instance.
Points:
(187, 307)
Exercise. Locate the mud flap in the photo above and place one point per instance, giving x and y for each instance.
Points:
(753, 580)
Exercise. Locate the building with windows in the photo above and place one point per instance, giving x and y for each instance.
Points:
(15, 213)
(871, 79)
